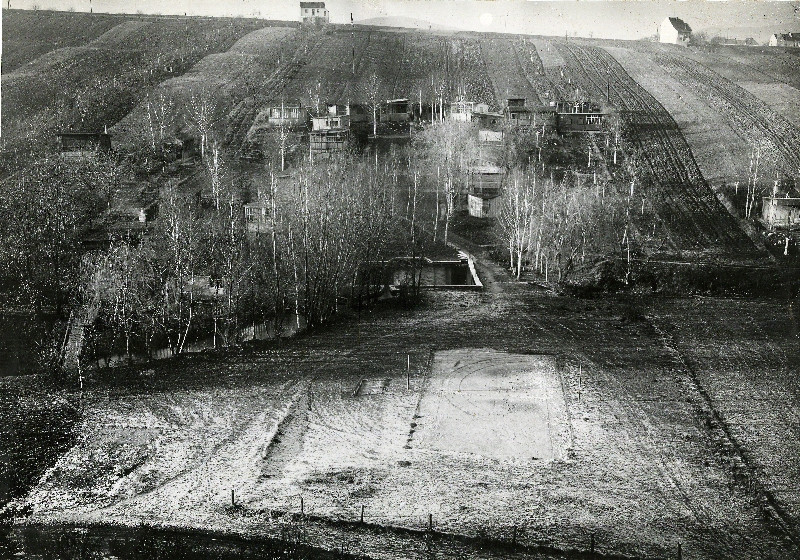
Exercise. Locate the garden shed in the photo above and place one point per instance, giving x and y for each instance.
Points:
(780, 213)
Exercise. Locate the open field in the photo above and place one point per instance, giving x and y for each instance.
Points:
(621, 431)
(683, 206)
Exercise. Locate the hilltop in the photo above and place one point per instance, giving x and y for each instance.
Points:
(692, 116)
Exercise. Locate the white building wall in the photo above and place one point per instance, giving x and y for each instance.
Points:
(667, 33)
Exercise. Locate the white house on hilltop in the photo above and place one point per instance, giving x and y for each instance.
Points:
(314, 12)
(674, 31)
(785, 40)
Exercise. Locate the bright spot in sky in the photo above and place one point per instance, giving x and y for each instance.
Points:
(486, 19)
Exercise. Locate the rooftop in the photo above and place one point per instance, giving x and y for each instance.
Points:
(680, 25)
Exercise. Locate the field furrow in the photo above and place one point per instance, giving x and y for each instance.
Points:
(753, 119)
(697, 219)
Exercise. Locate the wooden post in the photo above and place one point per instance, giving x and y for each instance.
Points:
(233, 497)
(514, 538)
(302, 506)
(362, 513)
(408, 373)
(591, 547)
(680, 552)
(430, 523)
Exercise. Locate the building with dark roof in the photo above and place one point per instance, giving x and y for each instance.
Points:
(674, 31)
(785, 40)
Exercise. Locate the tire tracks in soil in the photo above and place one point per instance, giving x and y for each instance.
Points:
(723, 435)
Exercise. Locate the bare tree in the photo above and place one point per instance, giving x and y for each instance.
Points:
(201, 109)
(447, 150)
(161, 117)
(371, 90)
(517, 218)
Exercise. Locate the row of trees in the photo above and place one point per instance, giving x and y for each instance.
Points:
(326, 228)
(553, 224)
(48, 210)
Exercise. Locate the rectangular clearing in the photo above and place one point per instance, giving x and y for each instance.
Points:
(493, 404)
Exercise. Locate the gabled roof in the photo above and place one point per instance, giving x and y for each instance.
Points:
(680, 25)
(312, 4)
(794, 37)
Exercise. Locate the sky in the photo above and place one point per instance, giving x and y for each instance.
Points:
(613, 19)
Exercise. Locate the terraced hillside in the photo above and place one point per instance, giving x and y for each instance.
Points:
(672, 107)
(753, 119)
(30, 34)
(685, 208)
(254, 65)
(93, 84)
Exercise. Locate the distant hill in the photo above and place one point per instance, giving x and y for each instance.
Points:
(403, 21)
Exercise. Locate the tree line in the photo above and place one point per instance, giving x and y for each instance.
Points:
(323, 239)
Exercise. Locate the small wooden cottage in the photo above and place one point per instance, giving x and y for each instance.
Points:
(780, 213)
(395, 110)
(485, 188)
(485, 205)
(580, 116)
(289, 114)
(257, 217)
(330, 130)
(518, 113)
(83, 145)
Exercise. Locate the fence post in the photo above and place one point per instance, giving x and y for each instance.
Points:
(233, 497)
(680, 552)
(302, 506)
(408, 372)
(362, 513)
(514, 538)
(430, 523)
(591, 546)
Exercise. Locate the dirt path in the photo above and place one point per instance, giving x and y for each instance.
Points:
(493, 277)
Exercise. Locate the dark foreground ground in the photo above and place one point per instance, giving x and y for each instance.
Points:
(677, 422)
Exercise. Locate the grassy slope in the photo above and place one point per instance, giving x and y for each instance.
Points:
(226, 77)
(30, 34)
(106, 76)
(646, 468)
